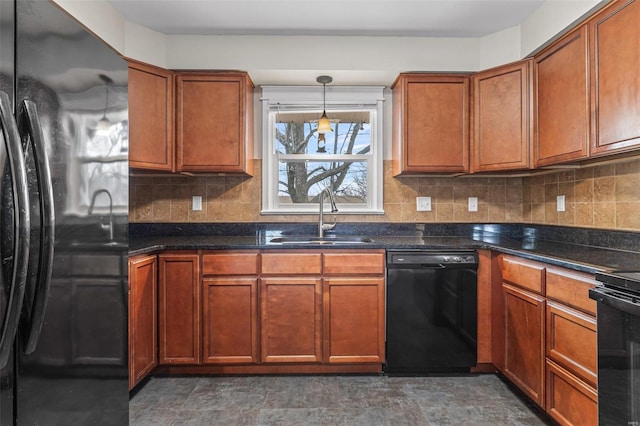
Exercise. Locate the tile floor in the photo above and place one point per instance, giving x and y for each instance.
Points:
(330, 400)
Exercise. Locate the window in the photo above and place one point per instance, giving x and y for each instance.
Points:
(298, 164)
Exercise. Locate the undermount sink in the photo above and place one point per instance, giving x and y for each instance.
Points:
(321, 240)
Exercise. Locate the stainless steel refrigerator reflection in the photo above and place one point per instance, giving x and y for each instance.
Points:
(63, 217)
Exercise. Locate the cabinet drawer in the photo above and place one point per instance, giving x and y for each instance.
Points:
(571, 341)
(289, 263)
(569, 400)
(230, 263)
(571, 288)
(525, 273)
(345, 263)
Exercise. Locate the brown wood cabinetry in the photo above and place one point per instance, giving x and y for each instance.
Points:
(524, 341)
(430, 123)
(214, 122)
(151, 118)
(615, 86)
(354, 320)
(291, 311)
(230, 307)
(143, 326)
(179, 308)
(502, 127)
(561, 100)
(550, 345)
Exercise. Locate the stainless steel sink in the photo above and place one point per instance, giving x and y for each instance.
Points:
(343, 239)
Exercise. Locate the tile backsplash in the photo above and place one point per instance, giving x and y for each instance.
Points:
(605, 196)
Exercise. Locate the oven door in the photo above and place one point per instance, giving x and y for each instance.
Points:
(618, 357)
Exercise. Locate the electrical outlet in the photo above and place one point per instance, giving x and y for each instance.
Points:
(196, 203)
(423, 204)
(473, 204)
(560, 203)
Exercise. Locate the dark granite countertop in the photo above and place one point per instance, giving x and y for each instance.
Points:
(577, 249)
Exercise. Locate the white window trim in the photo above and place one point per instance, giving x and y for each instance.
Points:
(367, 97)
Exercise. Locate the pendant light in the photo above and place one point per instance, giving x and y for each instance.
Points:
(104, 125)
(324, 125)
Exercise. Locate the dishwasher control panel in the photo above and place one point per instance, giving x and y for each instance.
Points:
(399, 259)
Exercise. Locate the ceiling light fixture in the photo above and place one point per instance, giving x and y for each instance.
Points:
(324, 125)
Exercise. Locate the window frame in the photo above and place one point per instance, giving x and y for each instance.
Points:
(363, 98)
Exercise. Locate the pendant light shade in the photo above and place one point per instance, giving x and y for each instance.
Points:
(324, 125)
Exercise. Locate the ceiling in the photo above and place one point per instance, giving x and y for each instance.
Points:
(425, 18)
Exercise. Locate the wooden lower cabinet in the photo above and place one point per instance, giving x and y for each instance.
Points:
(291, 311)
(524, 341)
(143, 326)
(230, 320)
(354, 320)
(569, 400)
(179, 308)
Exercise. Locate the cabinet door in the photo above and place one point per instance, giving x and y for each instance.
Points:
(430, 124)
(561, 101)
(501, 118)
(143, 326)
(615, 86)
(179, 309)
(524, 341)
(214, 122)
(291, 327)
(569, 400)
(571, 341)
(354, 320)
(151, 118)
(230, 320)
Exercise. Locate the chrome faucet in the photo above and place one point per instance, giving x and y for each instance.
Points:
(109, 227)
(321, 225)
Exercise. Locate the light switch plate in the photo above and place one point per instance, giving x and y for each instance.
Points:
(560, 203)
(423, 204)
(473, 204)
(196, 203)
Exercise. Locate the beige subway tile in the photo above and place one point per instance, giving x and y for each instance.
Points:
(550, 213)
(604, 189)
(584, 214)
(514, 194)
(496, 212)
(566, 189)
(628, 215)
(550, 192)
(526, 193)
(537, 179)
(604, 215)
(252, 191)
(444, 212)
(393, 211)
(551, 178)
(496, 194)
(161, 192)
(538, 213)
(537, 194)
(605, 170)
(426, 216)
(626, 182)
(584, 173)
(584, 191)
(526, 213)
(566, 176)
(167, 180)
(161, 211)
(443, 194)
(514, 212)
(180, 211)
(180, 192)
(215, 191)
(567, 217)
(407, 212)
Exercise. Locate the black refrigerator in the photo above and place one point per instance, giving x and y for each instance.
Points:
(63, 221)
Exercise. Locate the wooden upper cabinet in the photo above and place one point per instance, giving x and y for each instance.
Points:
(501, 130)
(151, 118)
(561, 100)
(214, 122)
(615, 78)
(430, 123)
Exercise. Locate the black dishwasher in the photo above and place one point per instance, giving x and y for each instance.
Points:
(431, 316)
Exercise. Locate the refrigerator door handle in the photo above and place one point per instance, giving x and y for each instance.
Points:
(21, 228)
(29, 125)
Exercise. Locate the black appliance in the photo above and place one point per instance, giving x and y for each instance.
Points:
(618, 348)
(431, 315)
(63, 221)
